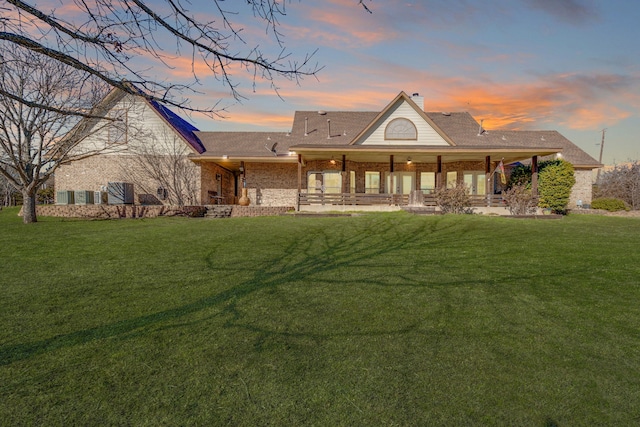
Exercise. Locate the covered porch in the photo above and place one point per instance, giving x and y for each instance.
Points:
(392, 177)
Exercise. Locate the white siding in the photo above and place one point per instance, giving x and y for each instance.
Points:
(143, 127)
(426, 134)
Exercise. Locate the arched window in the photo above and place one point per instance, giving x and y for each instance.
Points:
(401, 129)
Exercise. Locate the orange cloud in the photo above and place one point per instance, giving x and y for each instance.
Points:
(575, 101)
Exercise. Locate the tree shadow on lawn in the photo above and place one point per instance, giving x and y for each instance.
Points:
(317, 251)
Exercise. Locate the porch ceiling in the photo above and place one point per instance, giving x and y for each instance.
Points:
(422, 155)
(381, 154)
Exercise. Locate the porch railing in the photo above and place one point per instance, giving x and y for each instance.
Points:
(493, 200)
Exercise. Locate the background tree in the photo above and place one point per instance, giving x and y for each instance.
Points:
(108, 38)
(622, 182)
(34, 140)
(7, 192)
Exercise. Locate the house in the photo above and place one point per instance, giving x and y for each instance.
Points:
(334, 159)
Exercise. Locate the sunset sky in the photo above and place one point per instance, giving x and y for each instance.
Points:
(568, 65)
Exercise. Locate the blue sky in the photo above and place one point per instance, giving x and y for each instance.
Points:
(568, 65)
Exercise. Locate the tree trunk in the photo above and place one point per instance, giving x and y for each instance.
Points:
(29, 207)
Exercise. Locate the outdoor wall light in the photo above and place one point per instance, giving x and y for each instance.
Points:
(332, 161)
(224, 156)
(409, 160)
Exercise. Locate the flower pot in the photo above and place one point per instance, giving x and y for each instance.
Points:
(244, 199)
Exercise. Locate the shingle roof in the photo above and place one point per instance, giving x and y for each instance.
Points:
(345, 125)
(243, 144)
(465, 130)
(339, 128)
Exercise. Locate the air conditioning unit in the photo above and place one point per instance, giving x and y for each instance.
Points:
(120, 193)
(84, 197)
(64, 198)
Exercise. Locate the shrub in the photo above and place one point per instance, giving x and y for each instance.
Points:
(454, 200)
(609, 204)
(520, 200)
(555, 179)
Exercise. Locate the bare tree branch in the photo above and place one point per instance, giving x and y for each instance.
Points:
(108, 38)
(37, 132)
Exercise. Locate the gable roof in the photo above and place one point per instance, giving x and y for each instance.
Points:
(400, 98)
(183, 128)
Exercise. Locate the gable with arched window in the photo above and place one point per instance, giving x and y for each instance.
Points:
(401, 129)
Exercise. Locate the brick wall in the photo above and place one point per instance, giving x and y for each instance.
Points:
(272, 184)
(96, 172)
(215, 178)
(399, 166)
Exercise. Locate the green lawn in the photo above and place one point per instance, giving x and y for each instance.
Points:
(381, 319)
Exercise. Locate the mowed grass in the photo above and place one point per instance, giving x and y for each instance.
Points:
(381, 319)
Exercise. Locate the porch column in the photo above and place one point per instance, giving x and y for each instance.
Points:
(391, 186)
(439, 173)
(487, 175)
(534, 176)
(345, 184)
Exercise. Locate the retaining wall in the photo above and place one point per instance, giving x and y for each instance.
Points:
(142, 211)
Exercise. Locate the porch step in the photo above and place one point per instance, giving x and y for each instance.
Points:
(219, 211)
(421, 210)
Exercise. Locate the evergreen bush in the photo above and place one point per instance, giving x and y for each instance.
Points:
(609, 204)
(555, 181)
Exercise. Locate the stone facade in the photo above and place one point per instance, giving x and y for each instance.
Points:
(252, 211)
(102, 211)
(582, 190)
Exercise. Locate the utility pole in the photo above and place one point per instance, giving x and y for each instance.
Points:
(600, 158)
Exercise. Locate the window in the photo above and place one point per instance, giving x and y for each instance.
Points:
(427, 182)
(403, 182)
(324, 182)
(452, 179)
(401, 129)
(372, 182)
(352, 181)
(475, 182)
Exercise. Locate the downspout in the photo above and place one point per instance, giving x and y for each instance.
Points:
(299, 181)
